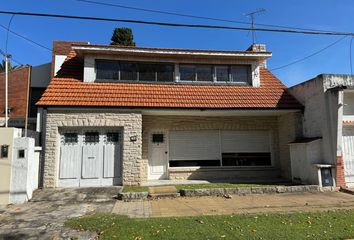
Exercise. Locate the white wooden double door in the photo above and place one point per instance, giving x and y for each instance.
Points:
(90, 158)
(348, 154)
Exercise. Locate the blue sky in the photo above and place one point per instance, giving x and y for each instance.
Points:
(318, 14)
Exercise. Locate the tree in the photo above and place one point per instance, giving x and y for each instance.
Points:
(11, 67)
(123, 37)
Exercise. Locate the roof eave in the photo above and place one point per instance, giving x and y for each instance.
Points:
(84, 50)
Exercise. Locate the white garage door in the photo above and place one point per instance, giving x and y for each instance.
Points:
(90, 158)
(219, 147)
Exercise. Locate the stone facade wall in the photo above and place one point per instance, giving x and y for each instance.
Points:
(151, 123)
(130, 122)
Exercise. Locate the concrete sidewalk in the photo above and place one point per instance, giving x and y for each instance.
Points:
(287, 202)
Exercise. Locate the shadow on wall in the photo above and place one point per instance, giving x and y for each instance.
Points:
(73, 67)
(286, 100)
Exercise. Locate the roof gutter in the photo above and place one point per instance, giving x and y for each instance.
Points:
(82, 50)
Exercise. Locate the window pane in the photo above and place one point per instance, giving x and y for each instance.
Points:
(222, 73)
(70, 137)
(157, 138)
(240, 74)
(195, 163)
(246, 159)
(92, 137)
(107, 70)
(112, 137)
(128, 71)
(165, 73)
(204, 73)
(187, 73)
(147, 72)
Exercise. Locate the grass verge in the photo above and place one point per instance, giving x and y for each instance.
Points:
(135, 189)
(319, 225)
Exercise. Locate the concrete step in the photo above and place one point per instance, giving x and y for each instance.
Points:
(163, 192)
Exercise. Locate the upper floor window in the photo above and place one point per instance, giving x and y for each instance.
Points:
(134, 71)
(219, 73)
(202, 73)
(164, 72)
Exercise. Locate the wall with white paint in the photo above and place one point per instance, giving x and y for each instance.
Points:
(24, 171)
(303, 157)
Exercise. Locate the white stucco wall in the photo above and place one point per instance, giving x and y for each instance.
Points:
(320, 118)
(303, 158)
(58, 61)
(24, 171)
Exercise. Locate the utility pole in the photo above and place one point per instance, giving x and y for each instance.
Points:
(7, 56)
(252, 15)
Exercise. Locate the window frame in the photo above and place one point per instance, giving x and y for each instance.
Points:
(174, 73)
(138, 65)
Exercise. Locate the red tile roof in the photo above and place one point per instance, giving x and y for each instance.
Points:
(68, 89)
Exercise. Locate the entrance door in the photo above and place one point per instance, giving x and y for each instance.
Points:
(158, 155)
(348, 155)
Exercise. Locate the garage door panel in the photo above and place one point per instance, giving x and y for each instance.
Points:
(194, 145)
(111, 161)
(91, 161)
(70, 158)
(245, 141)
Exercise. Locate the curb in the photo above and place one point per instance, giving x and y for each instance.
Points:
(221, 192)
(132, 196)
(254, 190)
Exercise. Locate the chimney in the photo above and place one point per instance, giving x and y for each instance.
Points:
(257, 48)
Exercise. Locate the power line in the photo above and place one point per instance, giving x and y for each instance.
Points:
(11, 58)
(193, 16)
(25, 38)
(177, 24)
(311, 55)
(7, 32)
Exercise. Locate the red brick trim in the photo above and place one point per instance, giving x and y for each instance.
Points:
(340, 179)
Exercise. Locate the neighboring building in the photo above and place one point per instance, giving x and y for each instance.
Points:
(25, 86)
(329, 119)
(117, 115)
(18, 96)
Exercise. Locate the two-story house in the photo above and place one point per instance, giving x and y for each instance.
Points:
(116, 115)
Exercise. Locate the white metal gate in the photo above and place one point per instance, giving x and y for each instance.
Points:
(348, 154)
(90, 157)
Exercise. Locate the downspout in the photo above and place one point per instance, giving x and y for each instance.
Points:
(28, 96)
(43, 126)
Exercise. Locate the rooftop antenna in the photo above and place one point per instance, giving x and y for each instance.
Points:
(252, 16)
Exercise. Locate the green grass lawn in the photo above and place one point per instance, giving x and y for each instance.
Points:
(320, 225)
(135, 189)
